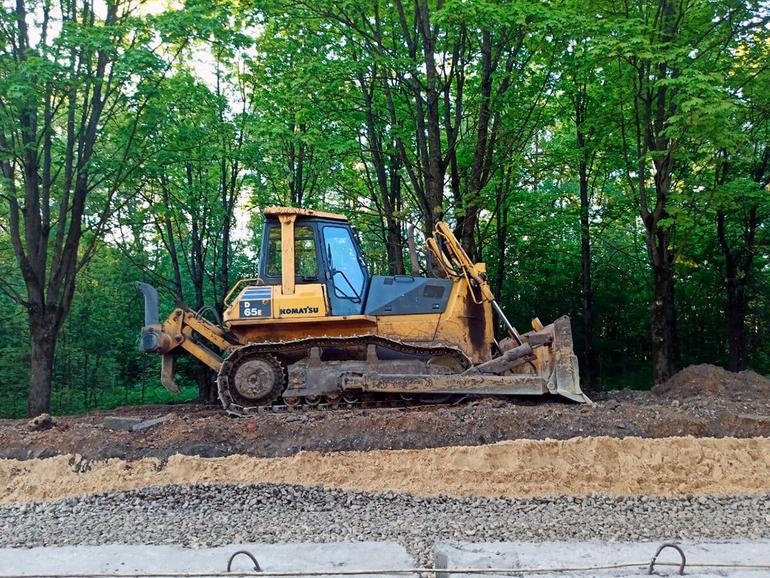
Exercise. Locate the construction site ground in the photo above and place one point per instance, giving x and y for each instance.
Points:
(688, 461)
(701, 401)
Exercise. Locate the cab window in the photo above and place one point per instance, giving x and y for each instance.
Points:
(305, 260)
(347, 273)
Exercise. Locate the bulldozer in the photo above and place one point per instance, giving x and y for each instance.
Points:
(315, 327)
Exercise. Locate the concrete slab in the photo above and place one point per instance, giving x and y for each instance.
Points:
(121, 422)
(147, 424)
(573, 554)
(122, 559)
(133, 424)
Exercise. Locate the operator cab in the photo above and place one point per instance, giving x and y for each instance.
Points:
(325, 251)
(329, 276)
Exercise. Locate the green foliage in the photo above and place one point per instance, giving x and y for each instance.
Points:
(223, 108)
(98, 364)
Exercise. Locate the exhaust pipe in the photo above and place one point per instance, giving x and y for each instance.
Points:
(151, 314)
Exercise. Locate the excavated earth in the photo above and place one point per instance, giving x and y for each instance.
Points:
(700, 401)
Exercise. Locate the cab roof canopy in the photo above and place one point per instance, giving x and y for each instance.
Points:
(276, 211)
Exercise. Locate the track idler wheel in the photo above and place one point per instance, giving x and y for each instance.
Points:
(256, 381)
(292, 401)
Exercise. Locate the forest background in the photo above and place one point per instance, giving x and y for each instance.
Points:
(607, 159)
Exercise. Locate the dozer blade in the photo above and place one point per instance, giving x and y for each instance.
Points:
(565, 365)
(548, 367)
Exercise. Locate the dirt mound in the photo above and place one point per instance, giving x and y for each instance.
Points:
(709, 380)
(577, 467)
(197, 430)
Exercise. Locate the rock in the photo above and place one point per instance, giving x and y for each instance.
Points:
(41, 422)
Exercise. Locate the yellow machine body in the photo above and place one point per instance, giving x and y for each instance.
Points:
(305, 314)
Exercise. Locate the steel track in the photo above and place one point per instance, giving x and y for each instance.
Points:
(243, 353)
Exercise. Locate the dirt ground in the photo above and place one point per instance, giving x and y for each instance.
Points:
(524, 468)
(701, 401)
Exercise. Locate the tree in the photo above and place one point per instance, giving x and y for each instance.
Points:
(579, 86)
(742, 210)
(668, 56)
(190, 183)
(290, 89)
(66, 80)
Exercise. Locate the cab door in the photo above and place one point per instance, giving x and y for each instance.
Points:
(346, 274)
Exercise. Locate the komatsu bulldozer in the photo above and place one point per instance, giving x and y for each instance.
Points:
(315, 327)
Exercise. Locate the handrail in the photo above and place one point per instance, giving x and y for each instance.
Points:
(240, 282)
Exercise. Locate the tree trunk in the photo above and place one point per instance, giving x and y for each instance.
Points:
(207, 393)
(198, 275)
(434, 176)
(665, 351)
(224, 269)
(395, 238)
(388, 186)
(501, 221)
(589, 364)
(738, 270)
(395, 247)
(663, 323)
(502, 243)
(414, 260)
(170, 240)
(737, 338)
(43, 348)
(471, 201)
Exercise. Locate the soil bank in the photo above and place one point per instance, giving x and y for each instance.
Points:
(628, 466)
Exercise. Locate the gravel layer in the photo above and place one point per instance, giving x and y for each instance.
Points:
(212, 515)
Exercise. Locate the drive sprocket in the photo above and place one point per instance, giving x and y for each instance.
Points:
(250, 381)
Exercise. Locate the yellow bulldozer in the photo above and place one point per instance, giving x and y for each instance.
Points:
(315, 327)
